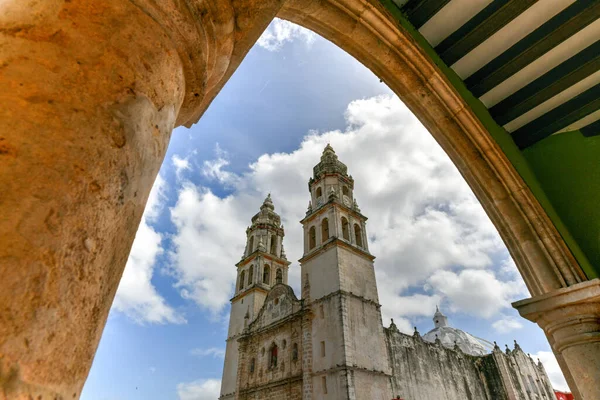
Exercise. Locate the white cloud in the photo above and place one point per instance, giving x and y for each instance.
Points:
(507, 324)
(137, 297)
(280, 32)
(476, 292)
(424, 221)
(203, 389)
(213, 352)
(552, 369)
(180, 164)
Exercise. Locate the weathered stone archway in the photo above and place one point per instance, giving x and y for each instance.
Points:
(92, 92)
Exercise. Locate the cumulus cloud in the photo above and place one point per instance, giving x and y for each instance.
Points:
(280, 32)
(425, 226)
(552, 369)
(137, 297)
(203, 389)
(507, 324)
(476, 292)
(213, 352)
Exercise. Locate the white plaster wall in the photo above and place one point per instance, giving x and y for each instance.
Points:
(364, 334)
(357, 274)
(328, 329)
(323, 273)
(229, 379)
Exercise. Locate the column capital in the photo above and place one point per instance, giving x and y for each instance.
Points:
(571, 315)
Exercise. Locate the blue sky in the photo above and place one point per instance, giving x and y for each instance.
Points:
(294, 93)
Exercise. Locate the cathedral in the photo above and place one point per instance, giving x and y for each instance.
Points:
(331, 343)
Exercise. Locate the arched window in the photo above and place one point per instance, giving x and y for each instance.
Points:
(319, 192)
(345, 191)
(273, 356)
(250, 275)
(251, 245)
(324, 230)
(273, 244)
(267, 275)
(345, 229)
(295, 352)
(312, 238)
(242, 278)
(279, 276)
(358, 235)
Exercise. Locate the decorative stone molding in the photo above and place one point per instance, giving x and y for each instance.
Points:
(571, 319)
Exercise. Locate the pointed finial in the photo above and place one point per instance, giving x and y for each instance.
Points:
(355, 206)
(456, 346)
(310, 209)
(437, 309)
(517, 345)
(283, 252)
(507, 349)
(496, 348)
(268, 203)
(328, 148)
(416, 333)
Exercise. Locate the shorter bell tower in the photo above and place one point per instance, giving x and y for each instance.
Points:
(263, 265)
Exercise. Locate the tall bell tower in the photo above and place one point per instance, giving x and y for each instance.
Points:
(349, 359)
(263, 264)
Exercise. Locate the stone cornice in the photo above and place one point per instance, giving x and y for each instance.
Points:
(256, 287)
(258, 253)
(279, 382)
(335, 241)
(332, 203)
(571, 316)
(339, 368)
(345, 293)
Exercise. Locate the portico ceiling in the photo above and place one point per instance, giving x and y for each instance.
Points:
(534, 64)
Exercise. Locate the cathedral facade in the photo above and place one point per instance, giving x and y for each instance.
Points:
(331, 343)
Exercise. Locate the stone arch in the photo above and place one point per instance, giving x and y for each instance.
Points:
(319, 192)
(358, 235)
(345, 229)
(202, 62)
(312, 238)
(267, 275)
(324, 230)
(273, 249)
(273, 352)
(345, 191)
(251, 245)
(250, 275)
(279, 276)
(369, 33)
(242, 279)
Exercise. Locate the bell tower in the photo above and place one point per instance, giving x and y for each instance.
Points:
(349, 359)
(263, 264)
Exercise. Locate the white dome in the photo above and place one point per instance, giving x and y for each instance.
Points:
(450, 337)
(469, 344)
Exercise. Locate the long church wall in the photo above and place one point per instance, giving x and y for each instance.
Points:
(425, 371)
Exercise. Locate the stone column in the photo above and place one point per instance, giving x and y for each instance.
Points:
(570, 317)
(90, 91)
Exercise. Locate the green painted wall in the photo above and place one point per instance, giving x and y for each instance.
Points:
(504, 140)
(567, 166)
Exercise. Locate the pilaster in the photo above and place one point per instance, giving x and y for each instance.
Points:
(570, 317)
